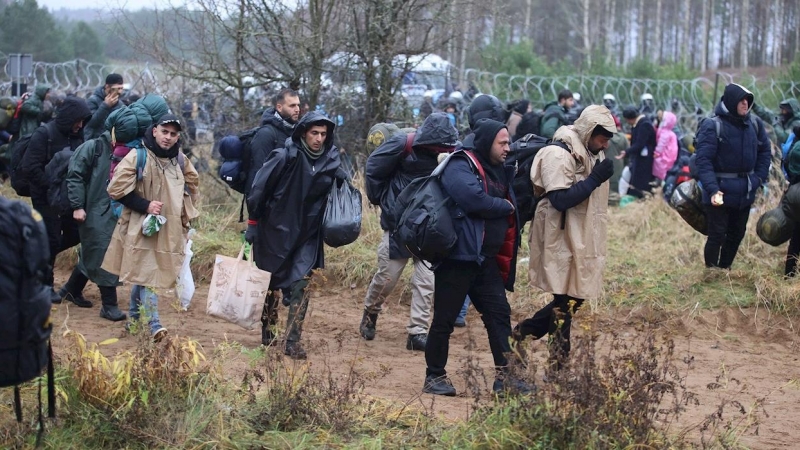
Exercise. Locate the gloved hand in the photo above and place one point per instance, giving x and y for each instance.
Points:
(250, 234)
(602, 171)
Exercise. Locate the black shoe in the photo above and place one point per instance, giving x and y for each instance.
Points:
(78, 300)
(417, 342)
(294, 350)
(55, 298)
(112, 313)
(509, 385)
(268, 337)
(367, 327)
(439, 386)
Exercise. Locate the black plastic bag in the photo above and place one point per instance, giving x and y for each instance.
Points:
(342, 222)
(687, 200)
(774, 228)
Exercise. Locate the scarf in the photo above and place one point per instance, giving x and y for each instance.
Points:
(310, 153)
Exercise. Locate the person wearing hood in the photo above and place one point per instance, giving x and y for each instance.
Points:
(168, 187)
(730, 168)
(639, 172)
(87, 179)
(102, 102)
(389, 169)
(568, 232)
(33, 111)
(484, 106)
(276, 127)
(286, 205)
(518, 109)
(666, 151)
(483, 262)
(555, 113)
(65, 131)
(788, 119)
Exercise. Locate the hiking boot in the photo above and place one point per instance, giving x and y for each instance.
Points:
(159, 334)
(79, 300)
(112, 313)
(294, 350)
(417, 342)
(367, 327)
(439, 386)
(55, 298)
(509, 385)
(268, 337)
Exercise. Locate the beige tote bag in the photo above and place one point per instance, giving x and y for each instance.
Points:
(237, 290)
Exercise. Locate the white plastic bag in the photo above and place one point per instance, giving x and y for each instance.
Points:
(185, 286)
(237, 290)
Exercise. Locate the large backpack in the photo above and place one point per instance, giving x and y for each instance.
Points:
(424, 225)
(25, 325)
(56, 172)
(522, 153)
(20, 180)
(236, 159)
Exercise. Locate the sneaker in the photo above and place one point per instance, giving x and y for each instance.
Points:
(460, 323)
(159, 334)
(294, 350)
(439, 386)
(112, 313)
(509, 385)
(78, 300)
(417, 342)
(367, 327)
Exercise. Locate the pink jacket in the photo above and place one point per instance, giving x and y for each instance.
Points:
(666, 146)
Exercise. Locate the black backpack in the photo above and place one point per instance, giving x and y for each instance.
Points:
(522, 153)
(236, 164)
(56, 172)
(20, 180)
(531, 123)
(422, 212)
(25, 325)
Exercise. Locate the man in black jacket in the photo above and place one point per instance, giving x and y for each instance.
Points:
(636, 177)
(390, 168)
(276, 126)
(286, 204)
(62, 232)
(102, 102)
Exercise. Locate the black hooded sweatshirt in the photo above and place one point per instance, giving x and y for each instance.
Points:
(497, 184)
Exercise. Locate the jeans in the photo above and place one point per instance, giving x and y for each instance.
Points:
(554, 319)
(145, 299)
(484, 284)
(726, 229)
(462, 316)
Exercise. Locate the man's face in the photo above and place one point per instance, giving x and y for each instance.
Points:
(289, 108)
(315, 137)
(598, 143)
(785, 112)
(77, 126)
(166, 135)
(112, 88)
(568, 102)
(742, 107)
(500, 147)
(631, 122)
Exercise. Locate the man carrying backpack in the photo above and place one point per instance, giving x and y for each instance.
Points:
(166, 186)
(286, 206)
(102, 102)
(33, 112)
(568, 232)
(390, 168)
(555, 113)
(62, 232)
(731, 166)
(483, 262)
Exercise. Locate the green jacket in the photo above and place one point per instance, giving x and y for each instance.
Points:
(32, 110)
(554, 117)
(784, 127)
(617, 145)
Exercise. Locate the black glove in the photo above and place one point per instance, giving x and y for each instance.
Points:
(602, 171)
(250, 234)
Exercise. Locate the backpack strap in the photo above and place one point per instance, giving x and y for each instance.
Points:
(141, 160)
(477, 165)
(409, 147)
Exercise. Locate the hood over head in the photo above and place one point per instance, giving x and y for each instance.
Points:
(592, 117)
(485, 132)
(792, 105)
(125, 123)
(668, 120)
(734, 93)
(314, 118)
(436, 132)
(486, 107)
(72, 110)
(41, 90)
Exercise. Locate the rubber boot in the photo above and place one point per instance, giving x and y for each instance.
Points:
(367, 327)
(298, 305)
(269, 320)
(110, 308)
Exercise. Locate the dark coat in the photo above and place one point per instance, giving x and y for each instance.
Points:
(390, 169)
(555, 116)
(288, 199)
(273, 134)
(742, 150)
(643, 135)
(100, 112)
(49, 139)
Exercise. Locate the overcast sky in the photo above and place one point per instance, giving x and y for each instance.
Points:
(104, 4)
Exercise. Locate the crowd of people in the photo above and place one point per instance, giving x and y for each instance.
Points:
(132, 195)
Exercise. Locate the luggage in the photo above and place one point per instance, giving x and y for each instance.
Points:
(687, 200)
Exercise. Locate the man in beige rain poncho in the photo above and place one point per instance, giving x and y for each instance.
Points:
(167, 187)
(568, 232)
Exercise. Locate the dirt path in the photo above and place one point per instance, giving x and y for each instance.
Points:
(723, 356)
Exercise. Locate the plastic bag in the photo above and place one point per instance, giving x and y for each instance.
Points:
(774, 227)
(185, 286)
(687, 200)
(342, 222)
(152, 224)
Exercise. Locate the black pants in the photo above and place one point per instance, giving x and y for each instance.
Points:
(793, 252)
(296, 299)
(484, 284)
(726, 228)
(62, 233)
(554, 319)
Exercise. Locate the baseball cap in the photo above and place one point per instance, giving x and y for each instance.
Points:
(170, 119)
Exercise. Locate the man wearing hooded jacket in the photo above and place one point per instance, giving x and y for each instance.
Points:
(730, 168)
(65, 131)
(390, 168)
(483, 262)
(286, 205)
